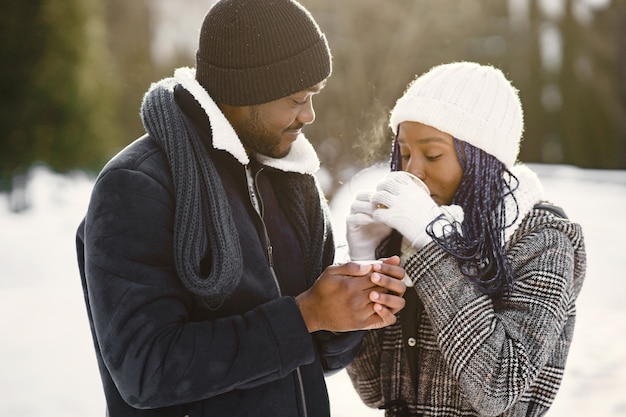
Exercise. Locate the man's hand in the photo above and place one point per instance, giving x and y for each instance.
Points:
(354, 296)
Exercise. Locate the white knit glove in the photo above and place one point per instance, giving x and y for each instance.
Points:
(362, 232)
(405, 205)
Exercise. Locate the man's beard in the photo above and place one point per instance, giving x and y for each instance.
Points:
(257, 138)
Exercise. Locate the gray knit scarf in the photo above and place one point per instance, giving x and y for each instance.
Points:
(204, 230)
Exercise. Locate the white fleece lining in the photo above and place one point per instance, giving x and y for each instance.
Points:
(224, 136)
(529, 193)
(302, 157)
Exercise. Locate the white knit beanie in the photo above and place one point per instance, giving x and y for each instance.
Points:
(474, 103)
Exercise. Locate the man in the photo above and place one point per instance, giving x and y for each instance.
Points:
(205, 251)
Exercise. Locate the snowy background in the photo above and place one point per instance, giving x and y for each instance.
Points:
(48, 366)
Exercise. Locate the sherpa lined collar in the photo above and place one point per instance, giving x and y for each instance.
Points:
(529, 193)
(302, 157)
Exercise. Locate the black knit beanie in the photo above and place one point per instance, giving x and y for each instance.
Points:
(256, 51)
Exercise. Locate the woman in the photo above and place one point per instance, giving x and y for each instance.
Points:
(494, 273)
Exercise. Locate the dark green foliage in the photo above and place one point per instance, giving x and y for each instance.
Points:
(73, 74)
(53, 93)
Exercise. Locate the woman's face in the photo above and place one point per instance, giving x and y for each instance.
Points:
(430, 155)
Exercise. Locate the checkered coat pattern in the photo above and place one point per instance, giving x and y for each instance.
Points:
(477, 357)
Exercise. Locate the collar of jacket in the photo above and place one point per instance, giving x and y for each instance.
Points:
(528, 193)
(302, 157)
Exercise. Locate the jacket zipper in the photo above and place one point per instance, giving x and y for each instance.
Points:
(304, 409)
(257, 203)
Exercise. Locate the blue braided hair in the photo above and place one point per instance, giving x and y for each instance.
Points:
(479, 247)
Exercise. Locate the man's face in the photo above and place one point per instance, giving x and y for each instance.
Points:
(271, 128)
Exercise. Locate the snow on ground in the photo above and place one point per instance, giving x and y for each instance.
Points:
(47, 362)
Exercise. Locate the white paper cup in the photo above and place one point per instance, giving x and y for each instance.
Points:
(418, 182)
(368, 262)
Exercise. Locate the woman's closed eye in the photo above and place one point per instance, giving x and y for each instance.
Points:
(433, 157)
(427, 157)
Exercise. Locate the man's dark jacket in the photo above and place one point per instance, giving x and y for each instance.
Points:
(160, 350)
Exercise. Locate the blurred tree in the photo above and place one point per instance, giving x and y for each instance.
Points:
(75, 73)
(74, 76)
(378, 49)
(129, 37)
(54, 95)
(586, 82)
(528, 76)
(620, 77)
(51, 85)
(568, 91)
(568, 79)
(612, 24)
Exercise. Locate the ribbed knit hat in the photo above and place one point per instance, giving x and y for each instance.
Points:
(474, 103)
(255, 51)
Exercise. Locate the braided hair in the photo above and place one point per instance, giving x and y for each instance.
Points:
(479, 246)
